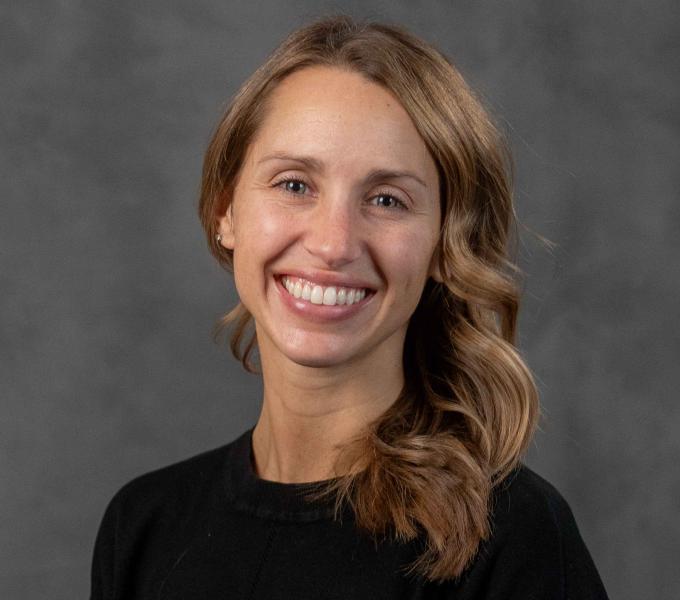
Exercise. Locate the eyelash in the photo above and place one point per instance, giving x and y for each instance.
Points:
(401, 205)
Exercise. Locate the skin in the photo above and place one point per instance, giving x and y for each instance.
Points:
(323, 381)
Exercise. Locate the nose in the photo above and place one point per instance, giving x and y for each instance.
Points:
(333, 233)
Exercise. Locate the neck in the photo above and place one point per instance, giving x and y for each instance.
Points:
(308, 413)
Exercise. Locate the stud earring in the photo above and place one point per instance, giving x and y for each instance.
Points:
(218, 237)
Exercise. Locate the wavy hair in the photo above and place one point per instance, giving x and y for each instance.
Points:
(469, 406)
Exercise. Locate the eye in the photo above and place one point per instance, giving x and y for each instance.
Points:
(388, 201)
(298, 187)
(292, 186)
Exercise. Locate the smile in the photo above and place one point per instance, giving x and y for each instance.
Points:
(317, 294)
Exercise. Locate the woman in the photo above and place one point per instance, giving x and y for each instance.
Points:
(361, 196)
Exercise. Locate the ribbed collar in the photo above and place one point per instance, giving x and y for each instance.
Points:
(269, 499)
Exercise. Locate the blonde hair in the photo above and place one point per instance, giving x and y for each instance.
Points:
(469, 406)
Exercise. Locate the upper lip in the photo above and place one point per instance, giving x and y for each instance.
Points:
(325, 278)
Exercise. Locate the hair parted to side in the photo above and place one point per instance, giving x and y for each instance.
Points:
(469, 406)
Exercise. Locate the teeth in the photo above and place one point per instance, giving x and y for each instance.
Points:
(328, 296)
(307, 292)
(317, 295)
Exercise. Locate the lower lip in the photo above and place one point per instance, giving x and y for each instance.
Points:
(320, 312)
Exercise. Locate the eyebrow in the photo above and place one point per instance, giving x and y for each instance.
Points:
(317, 165)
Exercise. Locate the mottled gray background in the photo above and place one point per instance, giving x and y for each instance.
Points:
(108, 293)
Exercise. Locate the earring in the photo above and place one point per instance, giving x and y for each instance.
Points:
(218, 237)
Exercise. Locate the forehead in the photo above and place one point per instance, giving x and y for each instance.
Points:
(340, 115)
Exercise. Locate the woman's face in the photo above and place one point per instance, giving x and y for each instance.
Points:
(337, 200)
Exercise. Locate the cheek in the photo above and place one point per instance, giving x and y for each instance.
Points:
(408, 259)
(260, 236)
(271, 224)
(263, 222)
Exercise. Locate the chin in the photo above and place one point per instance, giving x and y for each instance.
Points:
(318, 357)
(318, 360)
(314, 363)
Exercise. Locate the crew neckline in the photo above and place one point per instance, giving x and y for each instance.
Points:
(270, 499)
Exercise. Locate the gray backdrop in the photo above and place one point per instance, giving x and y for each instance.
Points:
(108, 293)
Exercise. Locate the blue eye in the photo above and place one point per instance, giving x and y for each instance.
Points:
(298, 187)
(394, 202)
(292, 186)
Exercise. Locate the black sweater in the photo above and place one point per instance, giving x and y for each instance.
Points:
(209, 528)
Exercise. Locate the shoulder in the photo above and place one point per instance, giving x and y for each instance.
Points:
(535, 549)
(530, 515)
(177, 480)
(150, 518)
(525, 501)
(173, 494)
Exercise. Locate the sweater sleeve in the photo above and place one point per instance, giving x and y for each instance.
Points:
(581, 578)
(147, 520)
(102, 580)
(535, 551)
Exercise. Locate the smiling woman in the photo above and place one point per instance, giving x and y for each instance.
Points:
(327, 235)
(360, 195)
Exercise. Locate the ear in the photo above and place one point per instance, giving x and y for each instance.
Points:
(225, 227)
